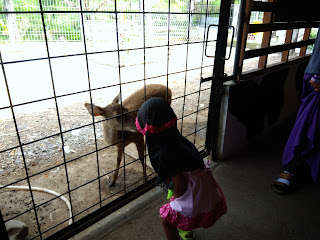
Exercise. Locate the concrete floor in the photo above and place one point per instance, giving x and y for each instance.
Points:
(254, 211)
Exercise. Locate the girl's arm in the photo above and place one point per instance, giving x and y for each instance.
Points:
(180, 185)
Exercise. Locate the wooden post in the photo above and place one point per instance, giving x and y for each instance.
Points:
(267, 18)
(285, 54)
(306, 36)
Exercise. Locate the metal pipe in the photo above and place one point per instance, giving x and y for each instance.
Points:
(241, 17)
(222, 121)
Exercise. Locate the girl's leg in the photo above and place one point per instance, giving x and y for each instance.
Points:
(170, 230)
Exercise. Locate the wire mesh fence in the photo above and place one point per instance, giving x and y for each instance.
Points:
(57, 55)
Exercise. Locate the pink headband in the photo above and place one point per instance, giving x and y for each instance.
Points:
(155, 129)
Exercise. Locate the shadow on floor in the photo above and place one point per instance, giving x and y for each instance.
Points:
(254, 211)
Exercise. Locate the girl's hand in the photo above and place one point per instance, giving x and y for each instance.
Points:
(315, 85)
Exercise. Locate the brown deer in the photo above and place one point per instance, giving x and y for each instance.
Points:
(120, 121)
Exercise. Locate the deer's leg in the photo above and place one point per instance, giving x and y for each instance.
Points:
(116, 173)
(140, 147)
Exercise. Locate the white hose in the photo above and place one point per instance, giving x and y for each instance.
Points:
(44, 190)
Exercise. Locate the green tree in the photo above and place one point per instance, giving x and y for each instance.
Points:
(12, 28)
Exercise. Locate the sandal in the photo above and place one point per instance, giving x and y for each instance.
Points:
(280, 187)
(186, 235)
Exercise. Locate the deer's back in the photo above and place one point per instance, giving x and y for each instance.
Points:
(136, 99)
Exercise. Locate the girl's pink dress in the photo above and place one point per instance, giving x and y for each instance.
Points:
(200, 206)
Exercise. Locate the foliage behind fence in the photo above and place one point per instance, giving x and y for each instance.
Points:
(63, 19)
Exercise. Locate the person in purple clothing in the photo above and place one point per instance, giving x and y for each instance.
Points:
(302, 151)
(197, 199)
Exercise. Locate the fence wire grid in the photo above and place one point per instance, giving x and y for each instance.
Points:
(57, 55)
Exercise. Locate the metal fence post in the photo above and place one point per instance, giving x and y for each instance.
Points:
(3, 230)
(217, 82)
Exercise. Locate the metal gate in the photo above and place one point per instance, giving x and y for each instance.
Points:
(56, 56)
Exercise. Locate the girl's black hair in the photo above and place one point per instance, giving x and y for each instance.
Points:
(170, 153)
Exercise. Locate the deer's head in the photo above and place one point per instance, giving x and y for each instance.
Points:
(116, 115)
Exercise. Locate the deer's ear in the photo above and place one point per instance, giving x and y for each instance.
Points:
(116, 99)
(94, 110)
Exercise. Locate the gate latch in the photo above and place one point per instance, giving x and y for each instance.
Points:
(215, 28)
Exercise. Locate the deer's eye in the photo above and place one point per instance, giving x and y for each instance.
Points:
(118, 117)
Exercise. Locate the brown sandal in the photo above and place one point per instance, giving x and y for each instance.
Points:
(280, 187)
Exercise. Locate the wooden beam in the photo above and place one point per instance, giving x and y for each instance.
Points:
(277, 48)
(264, 6)
(249, 75)
(268, 27)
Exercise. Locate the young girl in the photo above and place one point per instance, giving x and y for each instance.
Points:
(197, 199)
